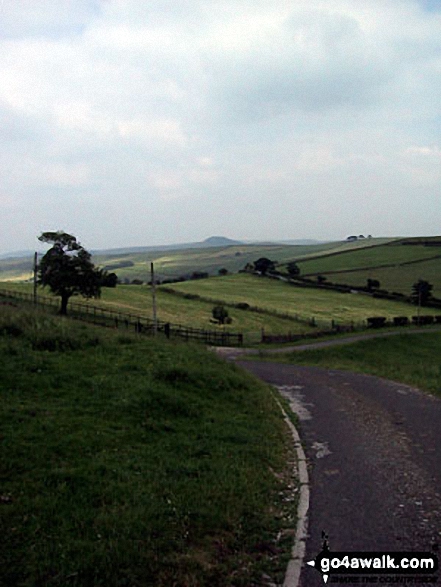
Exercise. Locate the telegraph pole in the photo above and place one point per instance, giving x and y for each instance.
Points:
(419, 302)
(35, 278)
(155, 319)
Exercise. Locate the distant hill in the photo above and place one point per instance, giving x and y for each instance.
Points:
(16, 254)
(212, 241)
(219, 241)
(396, 263)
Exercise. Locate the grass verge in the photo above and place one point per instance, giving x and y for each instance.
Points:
(128, 461)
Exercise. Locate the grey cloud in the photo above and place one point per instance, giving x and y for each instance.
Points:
(173, 120)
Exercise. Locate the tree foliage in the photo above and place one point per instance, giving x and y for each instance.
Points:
(421, 292)
(263, 265)
(372, 284)
(109, 279)
(67, 269)
(293, 269)
(220, 314)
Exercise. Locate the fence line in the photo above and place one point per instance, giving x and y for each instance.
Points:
(141, 324)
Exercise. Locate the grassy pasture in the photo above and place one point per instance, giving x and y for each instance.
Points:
(399, 278)
(395, 265)
(305, 302)
(133, 462)
(271, 296)
(372, 257)
(137, 299)
(173, 263)
(343, 247)
(408, 358)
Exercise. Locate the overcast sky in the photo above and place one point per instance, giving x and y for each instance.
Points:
(135, 122)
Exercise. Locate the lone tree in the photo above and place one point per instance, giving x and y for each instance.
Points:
(220, 315)
(67, 269)
(263, 265)
(421, 292)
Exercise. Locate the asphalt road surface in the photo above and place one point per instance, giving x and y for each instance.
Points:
(374, 459)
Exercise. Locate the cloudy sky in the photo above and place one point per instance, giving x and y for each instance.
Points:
(134, 122)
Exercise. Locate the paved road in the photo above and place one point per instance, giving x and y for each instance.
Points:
(374, 454)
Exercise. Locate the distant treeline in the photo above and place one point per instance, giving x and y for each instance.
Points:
(120, 265)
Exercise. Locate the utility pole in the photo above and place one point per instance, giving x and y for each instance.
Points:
(35, 278)
(155, 319)
(419, 302)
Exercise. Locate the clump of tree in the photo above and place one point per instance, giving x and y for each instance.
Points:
(67, 269)
(249, 268)
(220, 315)
(293, 269)
(109, 279)
(119, 265)
(372, 284)
(421, 292)
(199, 275)
(263, 265)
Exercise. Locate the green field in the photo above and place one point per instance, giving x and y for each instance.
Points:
(172, 264)
(395, 279)
(306, 303)
(135, 462)
(395, 265)
(137, 299)
(365, 258)
(408, 358)
(271, 298)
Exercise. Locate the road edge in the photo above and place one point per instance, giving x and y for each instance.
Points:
(293, 570)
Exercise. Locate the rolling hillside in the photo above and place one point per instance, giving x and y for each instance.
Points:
(305, 303)
(397, 265)
(183, 261)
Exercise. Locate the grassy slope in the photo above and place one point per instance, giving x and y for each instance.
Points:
(175, 309)
(174, 263)
(133, 462)
(365, 258)
(184, 262)
(399, 277)
(305, 302)
(408, 358)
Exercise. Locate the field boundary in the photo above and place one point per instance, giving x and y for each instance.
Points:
(372, 267)
(140, 324)
(237, 306)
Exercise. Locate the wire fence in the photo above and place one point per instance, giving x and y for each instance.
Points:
(143, 325)
(138, 323)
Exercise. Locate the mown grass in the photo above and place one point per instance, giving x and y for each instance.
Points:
(322, 305)
(135, 462)
(413, 359)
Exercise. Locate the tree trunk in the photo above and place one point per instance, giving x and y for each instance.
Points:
(64, 300)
